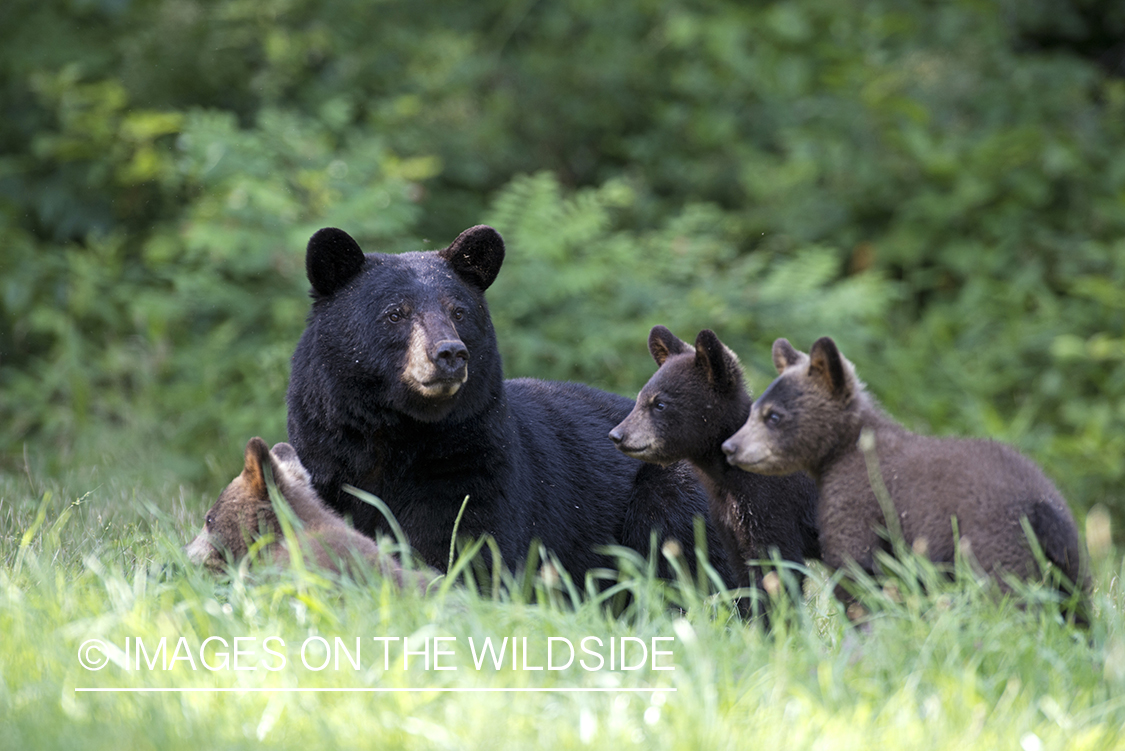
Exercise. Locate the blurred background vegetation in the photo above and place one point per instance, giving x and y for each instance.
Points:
(938, 185)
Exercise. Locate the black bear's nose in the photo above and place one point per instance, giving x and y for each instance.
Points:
(616, 435)
(451, 354)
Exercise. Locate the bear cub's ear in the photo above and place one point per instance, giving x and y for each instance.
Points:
(716, 361)
(476, 255)
(253, 469)
(784, 355)
(826, 367)
(332, 259)
(662, 344)
(284, 460)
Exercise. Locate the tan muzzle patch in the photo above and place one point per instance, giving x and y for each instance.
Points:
(421, 374)
(200, 550)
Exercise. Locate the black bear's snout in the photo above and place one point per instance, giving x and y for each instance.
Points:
(616, 435)
(451, 356)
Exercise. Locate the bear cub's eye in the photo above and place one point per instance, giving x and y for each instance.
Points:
(458, 314)
(395, 315)
(208, 521)
(659, 405)
(772, 418)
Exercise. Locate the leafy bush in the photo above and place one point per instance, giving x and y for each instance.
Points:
(937, 185)
(579, 293)
(190, 327)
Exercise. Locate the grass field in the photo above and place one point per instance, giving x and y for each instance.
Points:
(96, 555)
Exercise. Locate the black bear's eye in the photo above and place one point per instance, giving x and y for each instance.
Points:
(395, 316)
(772, 418)
(658, 405)
(458, 314)
(209, 521)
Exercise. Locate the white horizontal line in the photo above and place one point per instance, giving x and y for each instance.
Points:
(264, 689)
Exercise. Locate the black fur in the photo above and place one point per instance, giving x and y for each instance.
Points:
(332, 260)
(531, 455)
(695, 400)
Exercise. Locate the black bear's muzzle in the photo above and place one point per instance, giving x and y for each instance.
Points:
(450, 359)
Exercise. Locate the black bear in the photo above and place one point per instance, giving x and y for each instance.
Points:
(695, 400)
(244, 512)
(397, 389)
(812, 418)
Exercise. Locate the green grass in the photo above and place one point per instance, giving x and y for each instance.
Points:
(96, 555)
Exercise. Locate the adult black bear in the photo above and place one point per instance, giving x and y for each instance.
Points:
(812, 418)
(397, 388)
(695, 401)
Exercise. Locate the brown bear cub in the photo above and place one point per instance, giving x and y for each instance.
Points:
(695, 400)
(811, 418)
(244, 512)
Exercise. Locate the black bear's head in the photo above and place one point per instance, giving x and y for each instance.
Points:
(409, 333)
(684, 410)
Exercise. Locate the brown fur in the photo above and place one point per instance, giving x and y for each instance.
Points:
(244, 513)
(811, 417)
(696, 398)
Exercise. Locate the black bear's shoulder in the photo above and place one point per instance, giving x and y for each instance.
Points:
(578, 396)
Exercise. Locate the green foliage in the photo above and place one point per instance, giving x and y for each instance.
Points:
(937, 185)
(190, 326)
(572, 269)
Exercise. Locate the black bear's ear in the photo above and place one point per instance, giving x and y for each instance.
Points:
(476, 255)
(784, 355)
(826, 367)
(253, 471)
(716, 360)
(332, 260)
(662, 344)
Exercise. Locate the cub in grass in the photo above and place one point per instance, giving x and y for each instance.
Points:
(694, 401)
(811, 418)
(244, 512)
